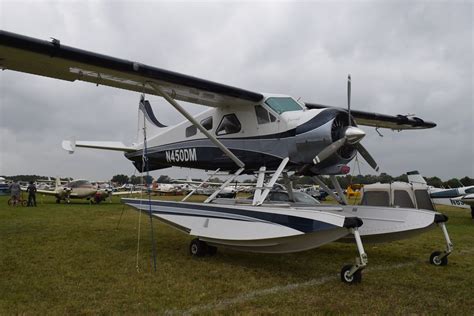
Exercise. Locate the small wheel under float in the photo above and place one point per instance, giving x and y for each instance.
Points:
(437, 260)
(198, 248)
(356, 277)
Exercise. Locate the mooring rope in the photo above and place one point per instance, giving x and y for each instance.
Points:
(146, 168)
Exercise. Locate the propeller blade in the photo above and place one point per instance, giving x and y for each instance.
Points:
(364, 153)
(329, 150)
(349, 98)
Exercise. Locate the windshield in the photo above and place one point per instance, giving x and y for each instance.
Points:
(79, 183)
(281, 105)
(304, 198)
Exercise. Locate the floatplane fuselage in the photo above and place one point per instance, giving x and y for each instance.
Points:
(262, 134)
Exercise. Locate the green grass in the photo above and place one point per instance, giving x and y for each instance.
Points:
(71, 259)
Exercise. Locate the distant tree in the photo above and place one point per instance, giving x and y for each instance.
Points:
(120, 179)
(401, 178)
(466, 181)
(148, 179)
(344, 181)
(25, 178)
(385, 178)
(164, 179)
(434, 181)
(135, 180)
(452, 183)
(141, 180)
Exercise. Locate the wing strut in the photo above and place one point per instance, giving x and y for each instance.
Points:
(327, 189)
(200, 185)
(190, 118)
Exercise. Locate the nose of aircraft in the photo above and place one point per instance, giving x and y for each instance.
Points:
(354, 135)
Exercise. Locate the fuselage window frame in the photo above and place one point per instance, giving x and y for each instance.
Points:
(229, 124)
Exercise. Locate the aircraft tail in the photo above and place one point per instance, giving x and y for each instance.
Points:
(415, 177)
(57, 182)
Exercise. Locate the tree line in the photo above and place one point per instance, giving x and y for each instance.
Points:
(343, 180)
(346, 180)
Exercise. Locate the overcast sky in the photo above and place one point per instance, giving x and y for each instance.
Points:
(404, 57)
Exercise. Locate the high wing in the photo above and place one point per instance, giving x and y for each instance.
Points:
(52, 59)
(397, 122)
(126, 192)
(45, 192)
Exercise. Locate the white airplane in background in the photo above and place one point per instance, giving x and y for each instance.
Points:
(451, 197)
(80, 189)
(241, 132)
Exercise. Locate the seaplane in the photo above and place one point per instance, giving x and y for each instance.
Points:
(240, 132)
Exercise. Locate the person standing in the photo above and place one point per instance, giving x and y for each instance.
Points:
(31, 194)
(15, 190)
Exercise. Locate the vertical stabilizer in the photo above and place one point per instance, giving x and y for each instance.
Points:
(57, 183)
(415, 177)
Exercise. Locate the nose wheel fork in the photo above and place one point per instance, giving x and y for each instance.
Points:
(352, 274)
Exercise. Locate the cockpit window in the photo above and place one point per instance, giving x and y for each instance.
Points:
(78, 183)
(281, 105)
(262, 115)
(229, 125)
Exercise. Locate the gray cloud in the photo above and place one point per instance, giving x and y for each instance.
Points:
(404, 57)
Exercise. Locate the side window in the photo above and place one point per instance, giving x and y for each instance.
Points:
(280, 196)
(262, 115)
(207, 123)
(229, 125)
(376, 198)
(191, 131)
(423, 200)
(402, 199)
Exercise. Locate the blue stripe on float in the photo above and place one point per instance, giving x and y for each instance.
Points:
(305, 225)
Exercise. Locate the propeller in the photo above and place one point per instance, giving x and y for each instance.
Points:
(352, 136)
(67, 191)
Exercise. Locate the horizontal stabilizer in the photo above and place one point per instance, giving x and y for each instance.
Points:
(70, 145)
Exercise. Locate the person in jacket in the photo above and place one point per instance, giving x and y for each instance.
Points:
(31, 194)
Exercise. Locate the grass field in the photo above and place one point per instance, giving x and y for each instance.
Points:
(71, 259)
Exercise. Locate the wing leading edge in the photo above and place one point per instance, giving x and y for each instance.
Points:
(395, 122)
(52, 59)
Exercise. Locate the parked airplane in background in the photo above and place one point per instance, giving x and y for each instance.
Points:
(451, 197)
(241, 132)
(80, 189)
